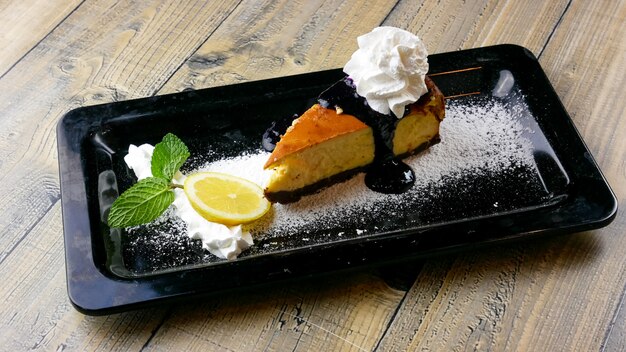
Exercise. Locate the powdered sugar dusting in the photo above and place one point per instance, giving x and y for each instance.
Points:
(479, 138)
(247, 166)
(479, 168)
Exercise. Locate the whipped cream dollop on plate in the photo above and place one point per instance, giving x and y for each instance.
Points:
(225, 242)
(389, 69)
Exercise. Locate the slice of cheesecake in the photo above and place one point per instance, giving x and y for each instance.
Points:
(327, 145)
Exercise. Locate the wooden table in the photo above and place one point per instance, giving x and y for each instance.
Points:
(564, 293)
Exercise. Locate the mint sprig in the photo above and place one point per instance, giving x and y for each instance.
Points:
(168, 157)
(147, 199)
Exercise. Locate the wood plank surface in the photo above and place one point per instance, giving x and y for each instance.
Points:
(25, 23)
(557, 294)
(453, 25)
(317, 315)
(278, 39)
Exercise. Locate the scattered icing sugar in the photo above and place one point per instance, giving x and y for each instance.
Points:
(165, 236)
(482, 148)
(247, 166)
(480, 137)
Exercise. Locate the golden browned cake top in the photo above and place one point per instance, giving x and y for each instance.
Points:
(315, 126)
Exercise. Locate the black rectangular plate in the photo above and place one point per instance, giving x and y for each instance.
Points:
(92, 141)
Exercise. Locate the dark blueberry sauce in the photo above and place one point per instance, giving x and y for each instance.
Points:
(387, 174)
(275, 131)
(390, 176)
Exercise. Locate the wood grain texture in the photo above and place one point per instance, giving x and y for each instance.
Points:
(23, 24)
(317, 315)
(264, 39)
(564, 293)
(452, 25)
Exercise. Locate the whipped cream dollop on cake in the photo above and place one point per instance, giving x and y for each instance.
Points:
(389, 69)
(225, 242)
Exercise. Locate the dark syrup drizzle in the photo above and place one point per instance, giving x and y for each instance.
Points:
(387, 174)
(275, 131)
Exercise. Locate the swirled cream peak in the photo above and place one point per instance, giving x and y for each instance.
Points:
(389, 69)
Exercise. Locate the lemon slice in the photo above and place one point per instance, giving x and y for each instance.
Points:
(224, 198)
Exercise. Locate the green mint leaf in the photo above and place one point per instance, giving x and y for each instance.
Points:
(145, 201)
(169, 155)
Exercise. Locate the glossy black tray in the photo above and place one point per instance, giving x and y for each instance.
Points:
(572, 194)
